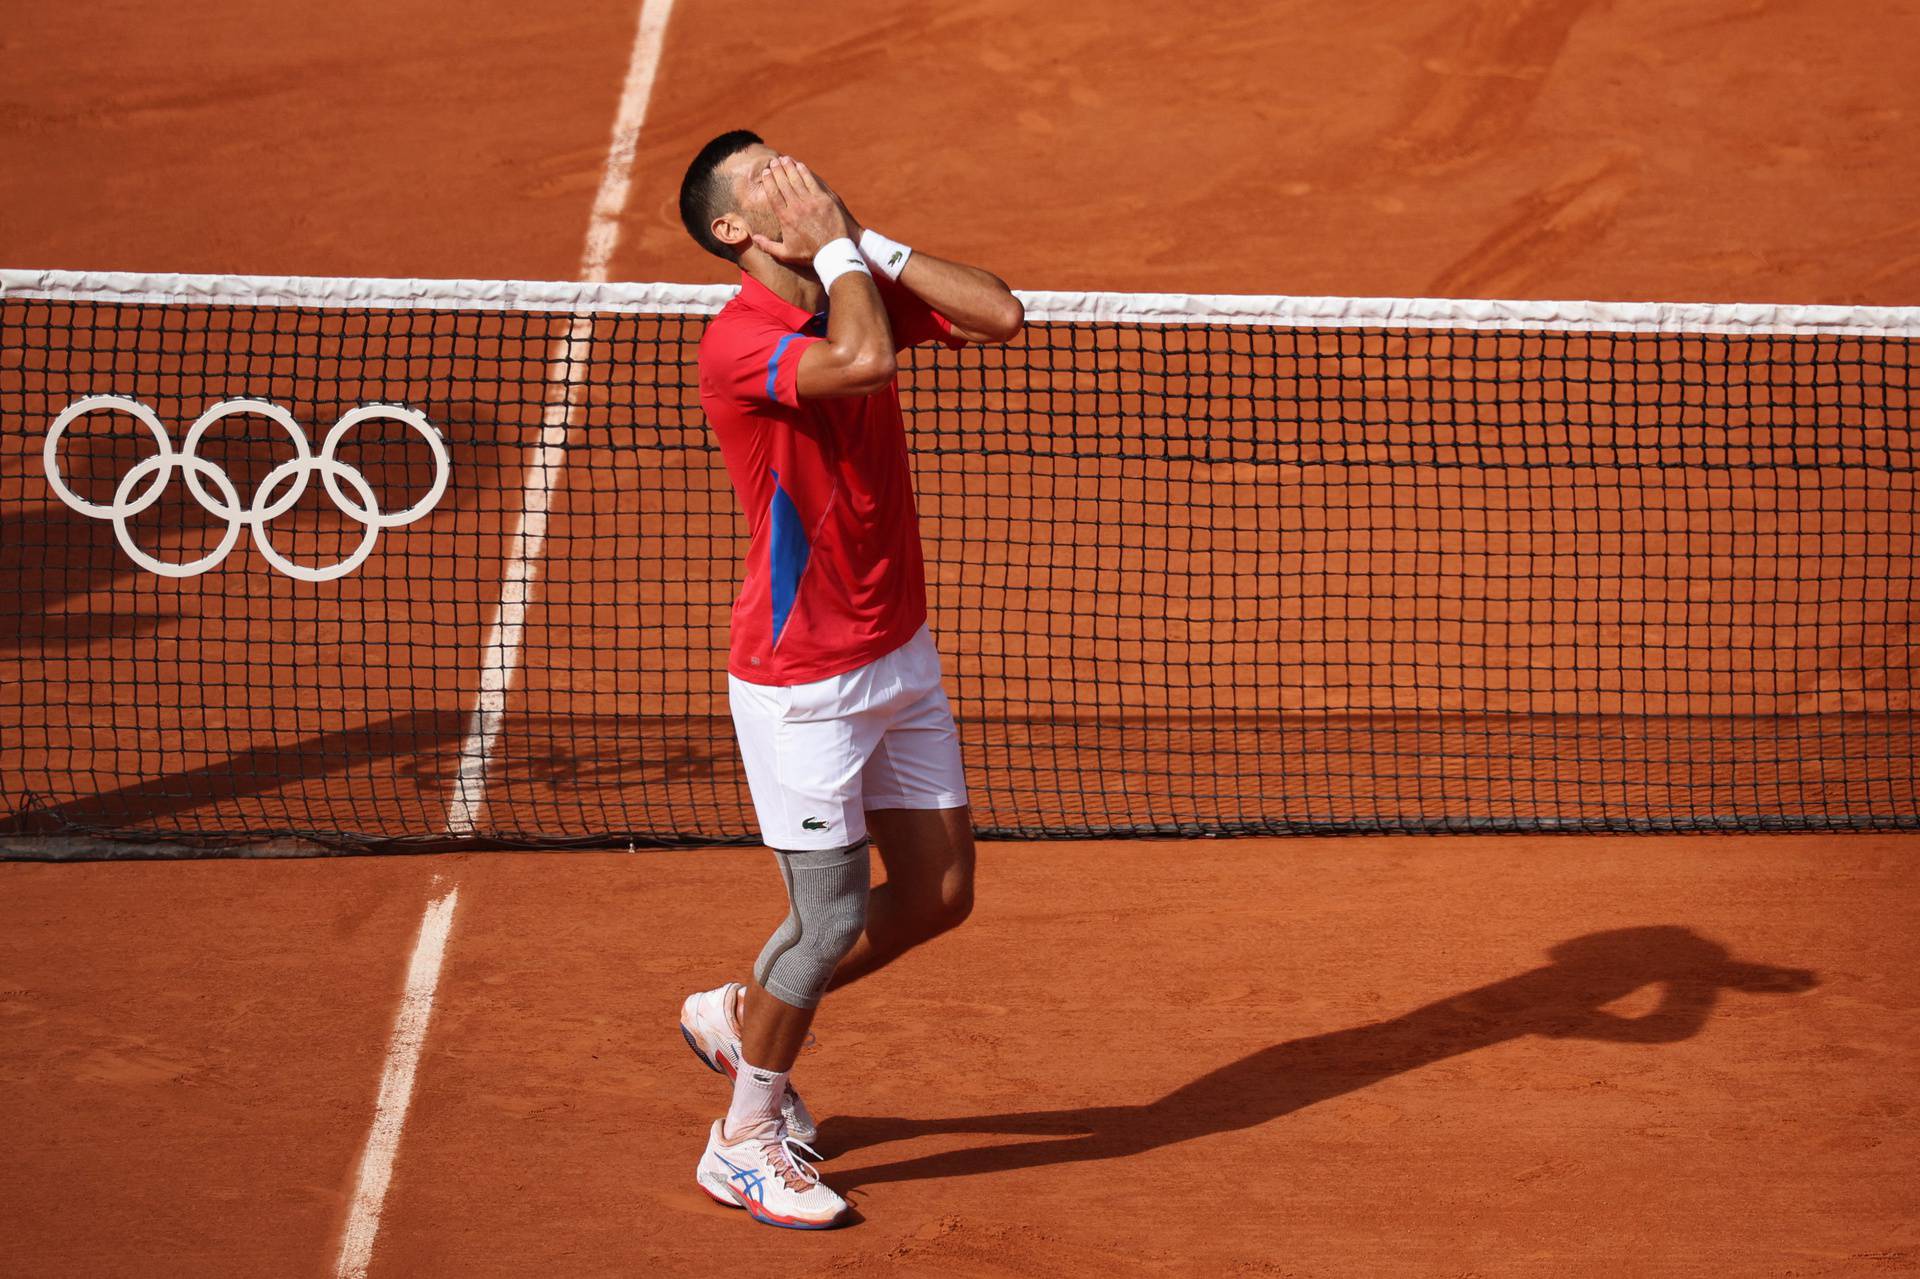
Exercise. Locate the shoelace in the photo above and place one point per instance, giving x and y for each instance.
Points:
(786, 1162)
(782, 1155)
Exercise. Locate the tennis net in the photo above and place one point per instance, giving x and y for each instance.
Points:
(407, 564)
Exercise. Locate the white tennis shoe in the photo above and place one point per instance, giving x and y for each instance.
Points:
(766, 1176)
(713, 1032)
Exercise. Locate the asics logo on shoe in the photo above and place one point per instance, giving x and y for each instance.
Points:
(813, 823)
(751, 1182)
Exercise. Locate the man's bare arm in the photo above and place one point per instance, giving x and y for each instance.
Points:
(977, 303)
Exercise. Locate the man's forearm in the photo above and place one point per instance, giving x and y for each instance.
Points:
(857, 356)
(857, 321)
(977, 303)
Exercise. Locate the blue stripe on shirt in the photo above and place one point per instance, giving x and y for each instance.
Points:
(773, 366)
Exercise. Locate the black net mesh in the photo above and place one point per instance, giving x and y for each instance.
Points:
(1187, 578)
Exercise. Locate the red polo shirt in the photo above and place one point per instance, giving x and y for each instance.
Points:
(834, 578)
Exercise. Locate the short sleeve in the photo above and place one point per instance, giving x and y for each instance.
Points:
(913, 321)
(754, 363)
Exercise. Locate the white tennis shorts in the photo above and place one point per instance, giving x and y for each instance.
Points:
(820, 755)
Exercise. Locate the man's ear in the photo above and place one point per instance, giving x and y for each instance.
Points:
(731, 230)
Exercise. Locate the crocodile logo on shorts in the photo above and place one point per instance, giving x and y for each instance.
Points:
(813, 823)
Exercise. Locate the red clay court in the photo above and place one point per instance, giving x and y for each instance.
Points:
(1620, 596)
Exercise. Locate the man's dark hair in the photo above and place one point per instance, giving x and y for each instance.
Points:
(703, 197)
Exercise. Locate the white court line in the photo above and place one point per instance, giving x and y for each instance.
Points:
(396, 1088)
(500, 655)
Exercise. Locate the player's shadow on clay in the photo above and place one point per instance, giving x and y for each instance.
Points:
(1564, 999)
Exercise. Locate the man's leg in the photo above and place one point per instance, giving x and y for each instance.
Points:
(929, 857)
(828, 906)
(751, 1160)
(804, 749)
(827, 892)
(772, 1030)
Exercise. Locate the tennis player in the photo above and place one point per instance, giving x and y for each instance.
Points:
(833, 678)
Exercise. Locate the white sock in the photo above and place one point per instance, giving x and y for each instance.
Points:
(757, 1095)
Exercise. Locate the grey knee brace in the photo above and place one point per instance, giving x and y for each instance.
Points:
(826, 912)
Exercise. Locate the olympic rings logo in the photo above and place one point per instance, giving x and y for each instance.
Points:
(356, 499)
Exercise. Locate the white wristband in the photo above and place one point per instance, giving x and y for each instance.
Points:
(835, 260)
(888, 257)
